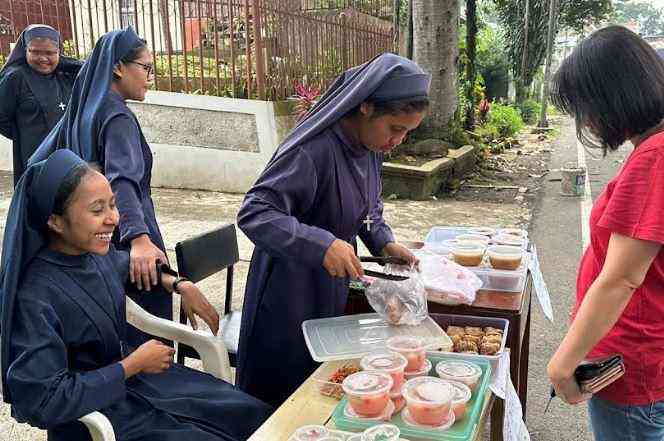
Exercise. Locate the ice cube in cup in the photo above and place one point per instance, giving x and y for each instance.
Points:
(428, 400)
(368, 392)
(413, 348)
(389, 362)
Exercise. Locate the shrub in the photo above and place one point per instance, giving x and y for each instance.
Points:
(506, 119)
(530, 110)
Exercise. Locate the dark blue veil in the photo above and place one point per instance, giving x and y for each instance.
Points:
(24, 236)
(387, 77)
(77, 130)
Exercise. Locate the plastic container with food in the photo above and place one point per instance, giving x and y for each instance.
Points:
(382, 432)
(389, 362)
(473, 238)
(468, 253)
(506, 239)
(329, 378)
(413, 348)
(368, 392)
(518, 232)
(484, 231)
(426, 368)
(505, 257)
(462, 371)
(462, 395)
(428, 400)
(310, 433)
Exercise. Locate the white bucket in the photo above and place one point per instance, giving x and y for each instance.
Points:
(573, 179)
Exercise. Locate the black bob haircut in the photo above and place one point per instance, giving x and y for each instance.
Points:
(613, 86)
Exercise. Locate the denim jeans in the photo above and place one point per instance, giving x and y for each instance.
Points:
(614, 422)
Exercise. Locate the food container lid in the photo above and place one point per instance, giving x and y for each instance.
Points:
(505, 251)
(382, 432)
(484, 231)
(405, 343)
(513, 232)
(428, 390)
(458, 369)
(464, 247)
(426, 368)
(462, 393)
(384, 361)
(310, 433)
(472, 238)
(507, 239)
(367, 383)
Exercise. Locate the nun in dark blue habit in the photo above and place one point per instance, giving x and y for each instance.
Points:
(99, 127)
(63, 324)
(35, 85)
(320, 191)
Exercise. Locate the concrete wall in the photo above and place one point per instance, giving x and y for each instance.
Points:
(204, 142)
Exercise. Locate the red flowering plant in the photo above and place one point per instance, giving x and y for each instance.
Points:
(305, 97)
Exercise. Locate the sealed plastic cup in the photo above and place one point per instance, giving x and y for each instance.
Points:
(473, 238)
(389, 362)
(505, 257)
(483, 231)
(509, 240)
(518, 232)
(462, 395)
(423, 372)
(468, 253)
(382, 432)
(413, 348)
(461, 371)
(310, 433)
(368, 392)
(428, 400)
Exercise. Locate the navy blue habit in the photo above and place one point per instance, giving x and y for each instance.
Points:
(319, 186)
(31, 103)
(63, 328)
(101, 128)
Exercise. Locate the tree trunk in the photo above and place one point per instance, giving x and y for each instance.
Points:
(409, 40)
(471, 74)
(436, 50)
(521, 86)
(396, 7)
(551, 35)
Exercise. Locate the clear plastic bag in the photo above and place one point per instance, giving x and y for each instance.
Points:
(399, 303)
(446, 281)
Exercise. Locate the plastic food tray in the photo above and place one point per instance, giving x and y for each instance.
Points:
(344, 436)
(460, 431)
(438, 235)
(353, 336)
(445, 320)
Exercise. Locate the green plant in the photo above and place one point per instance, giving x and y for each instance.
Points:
(506, 120)
(530, 111)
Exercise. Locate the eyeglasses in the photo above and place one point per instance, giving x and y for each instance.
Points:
(149, 68)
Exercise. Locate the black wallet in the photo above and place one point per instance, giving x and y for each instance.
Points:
(595, 374)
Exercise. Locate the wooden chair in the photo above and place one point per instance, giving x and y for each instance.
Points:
(201, 257)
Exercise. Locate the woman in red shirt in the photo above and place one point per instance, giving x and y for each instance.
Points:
(613, 85)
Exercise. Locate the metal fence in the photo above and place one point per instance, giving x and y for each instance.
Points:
(235, 48)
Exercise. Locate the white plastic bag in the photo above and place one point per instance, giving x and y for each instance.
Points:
(446, 281)
(399, 303)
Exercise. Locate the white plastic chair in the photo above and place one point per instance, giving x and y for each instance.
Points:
(211, 349)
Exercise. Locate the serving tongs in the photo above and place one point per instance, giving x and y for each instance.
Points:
(383, 260)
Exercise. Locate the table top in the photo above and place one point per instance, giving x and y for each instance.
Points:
(307, 406)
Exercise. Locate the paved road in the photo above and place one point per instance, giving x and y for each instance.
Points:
(556, 229)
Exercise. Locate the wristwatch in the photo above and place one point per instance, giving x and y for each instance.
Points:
(177, 281)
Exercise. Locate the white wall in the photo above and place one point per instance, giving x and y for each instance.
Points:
(200, 168)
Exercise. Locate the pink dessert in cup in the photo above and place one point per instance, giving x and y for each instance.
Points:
(429, 400)
(389, 362)
(462, 371)
(368, 392)
(413, 348)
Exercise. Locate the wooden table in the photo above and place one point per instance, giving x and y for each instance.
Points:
(515, 307)
(307, 406)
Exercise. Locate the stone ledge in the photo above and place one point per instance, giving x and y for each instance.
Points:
(412, 182)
